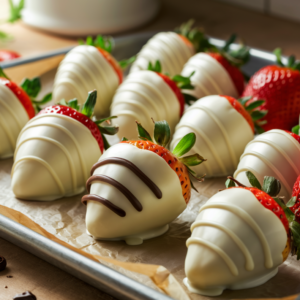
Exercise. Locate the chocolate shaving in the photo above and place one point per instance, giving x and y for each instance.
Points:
(26, 295)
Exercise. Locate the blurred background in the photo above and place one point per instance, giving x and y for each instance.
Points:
(52, 24)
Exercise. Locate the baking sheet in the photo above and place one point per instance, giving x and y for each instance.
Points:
(157, 263)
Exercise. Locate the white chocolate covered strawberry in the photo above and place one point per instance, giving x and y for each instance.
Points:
(172, 49)
(138, 187)
(17, 107)
(56, 149)
(240, 237)
(88, 67)
(217, 71)
(274, 153)
(149, 94)
(223, 128)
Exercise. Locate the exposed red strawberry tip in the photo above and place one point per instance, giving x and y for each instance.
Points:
(296, 193)
(72, 113)
(295, 136)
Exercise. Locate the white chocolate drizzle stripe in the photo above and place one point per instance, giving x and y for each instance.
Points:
(251, 222)
(158, 93)
(8, 133)
(65, 130)
(73, 84)
(280, 150)
(231, 265)
(129, 113)
(14, 115)
(209, 144)
(59, 145)
(135, 102)
(249, 266)
(263, 158)
(234, 158)
(45, 164)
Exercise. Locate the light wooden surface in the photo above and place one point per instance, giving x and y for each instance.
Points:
(219, 20)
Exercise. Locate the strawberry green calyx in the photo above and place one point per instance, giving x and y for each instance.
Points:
(87, 109)
(195, 35)
(183, 83)
(291, 61)
(2, 74)
(272, 187)
(107, 44)
(32, 87)
(104, 42)
(162, 135)
(256, 115)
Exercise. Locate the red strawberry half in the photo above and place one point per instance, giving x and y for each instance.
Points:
(279, 86)
(26, 93)
(71, 109)
(8, 55)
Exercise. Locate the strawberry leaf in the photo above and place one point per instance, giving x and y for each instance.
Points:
(185, 144)
(105, 142)
(189, 99)
(253, 180)
(291, 61)
(126, 62)
(154, 68)
(105, 119)
(15, 10)
(109, 130)
(2, 74)
(271, 186)
(291, 202)
(244, 100)
(254, 105)
(295, 229)
(192, 160)
(277, 53)
(162, 133)
(257, 114)
(89, 105)
(124, 139)
(31, 86)
(142, 132)
(258, 129)
(288, 213)
(192, 185)
(104, 42)
(229, 183)
(295, 129)
(73, 103)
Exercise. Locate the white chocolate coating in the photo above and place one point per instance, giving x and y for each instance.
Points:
(236, 243)
(53, 157)
(222, 134)
(273, 153)
(13, 118)
(142, 96)
(84, 69)
(167, 47)
(103, 223)
(210, 77)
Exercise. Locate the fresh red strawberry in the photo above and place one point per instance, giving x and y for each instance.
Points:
(105, 46)
(71, 109)
(279, 86)
(8, 55)
(26, 93)
(294, 135)
(234, 72)
(296, 194)
(174, 159)
(176, 83)
(267, 196)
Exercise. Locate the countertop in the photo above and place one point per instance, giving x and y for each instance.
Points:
(219, 20)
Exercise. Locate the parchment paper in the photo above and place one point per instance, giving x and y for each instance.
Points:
(162, 258)
(158, 262)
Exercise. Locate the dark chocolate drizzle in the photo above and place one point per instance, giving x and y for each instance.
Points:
(116, 209)
(133, 200)
(128, 164)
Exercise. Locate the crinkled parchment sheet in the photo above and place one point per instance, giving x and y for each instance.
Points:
(158, 262)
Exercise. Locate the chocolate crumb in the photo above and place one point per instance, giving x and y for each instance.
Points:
(26, 295)
(6, 286)
(9, 276)
(2, 263)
